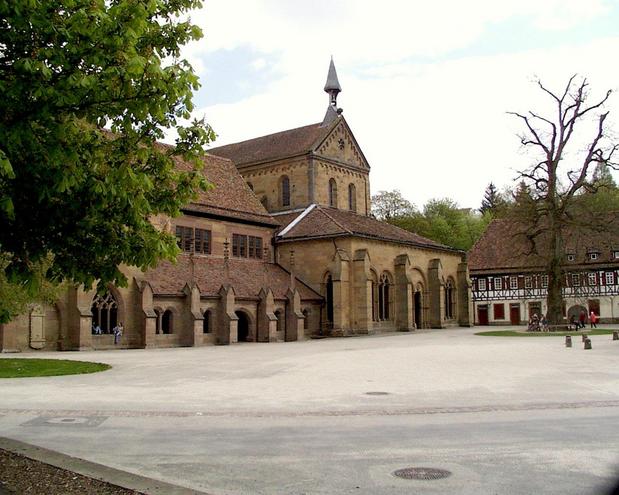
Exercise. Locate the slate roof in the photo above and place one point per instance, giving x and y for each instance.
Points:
(504, 246)
(323, 222)
(273, 146)
(247, 277)
(230, 197)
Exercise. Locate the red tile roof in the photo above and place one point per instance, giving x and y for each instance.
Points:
(504, 245)
(331, 222)
(247, 277)
(273, 146)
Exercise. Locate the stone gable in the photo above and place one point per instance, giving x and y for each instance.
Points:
(341, 146)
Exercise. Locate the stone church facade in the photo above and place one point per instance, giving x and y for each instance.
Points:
(281, 249)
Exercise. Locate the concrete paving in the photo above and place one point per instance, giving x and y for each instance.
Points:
(503, 415)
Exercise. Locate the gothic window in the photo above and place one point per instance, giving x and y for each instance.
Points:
(450, 300)
(332, 193)
(206, 323)
(383, 297)
(104, 312)
(166, 322)
(374, 296)
(352, 197)
(284, 191)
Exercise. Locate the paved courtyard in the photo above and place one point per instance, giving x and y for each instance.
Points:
(338, 416)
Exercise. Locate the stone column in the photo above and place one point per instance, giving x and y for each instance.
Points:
(362, 290)
(227, 332)
(294, 316)
(193, 332)
(149, 321)
(80, 318)
(435, 293)
(404, 317)
(266, 322)
(465, 301)
(341, 296)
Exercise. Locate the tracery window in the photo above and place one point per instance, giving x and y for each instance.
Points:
(104, 312)
(332, 193)
(383, 297)
(449, 300)
(352, 197)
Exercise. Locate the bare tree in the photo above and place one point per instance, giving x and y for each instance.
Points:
(560, 175)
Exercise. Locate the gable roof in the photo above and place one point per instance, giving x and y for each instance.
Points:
(505, 246)
(324, 222)
(230, 195)
(247, 277)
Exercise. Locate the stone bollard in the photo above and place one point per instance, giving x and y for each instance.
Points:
(587, 344)
(615, 335)
(584, 337)
(568, 341)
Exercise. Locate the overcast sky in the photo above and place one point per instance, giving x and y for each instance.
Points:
(426, 85)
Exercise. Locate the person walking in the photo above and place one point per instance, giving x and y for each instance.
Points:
(593, 319)
(581, 318)
(117, 333)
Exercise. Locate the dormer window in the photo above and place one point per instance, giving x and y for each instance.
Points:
(571, 257)
(616, 255)
(593, 256)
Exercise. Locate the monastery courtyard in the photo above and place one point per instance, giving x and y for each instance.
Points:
(338, 416)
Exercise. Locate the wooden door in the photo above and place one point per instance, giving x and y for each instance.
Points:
(482, 314)
(514, 314)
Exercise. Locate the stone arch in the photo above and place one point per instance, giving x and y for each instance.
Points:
(207, 322)
(105, 312)
(168, 322)
(575, 310)
(450, 294)
(244, 325)
(328, 295)
(385, 296)
(280, 314)
(332, 192)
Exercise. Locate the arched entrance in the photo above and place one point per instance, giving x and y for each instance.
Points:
(329, 299)
(418, 307)
(242, 326)
(104, 313)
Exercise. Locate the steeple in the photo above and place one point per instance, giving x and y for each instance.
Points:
(332, 87)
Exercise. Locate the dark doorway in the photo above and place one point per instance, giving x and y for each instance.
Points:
(329, 299)
(243, 326)
(482, 314)
(514, 314)
(418, 311)
(535, 308)
(594, 305)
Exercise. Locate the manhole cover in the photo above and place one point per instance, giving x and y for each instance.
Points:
(377, 393)
(422, 473)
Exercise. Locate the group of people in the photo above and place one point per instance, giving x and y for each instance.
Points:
(536, 323)
(117, 331)
(582, 318)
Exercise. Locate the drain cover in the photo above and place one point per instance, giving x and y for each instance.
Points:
(422, 473)
(377, 393)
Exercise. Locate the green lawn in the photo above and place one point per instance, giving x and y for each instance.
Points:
(19, 367)
(513, 333)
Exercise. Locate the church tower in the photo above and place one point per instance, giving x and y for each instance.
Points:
(316, 164)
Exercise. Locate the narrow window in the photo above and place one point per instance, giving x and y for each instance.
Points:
(610, 279)
(184, 238)
(206, 323)
(544, 281)
(528, 282)
(285, 190)
(332, 193)
(203, 241)
(481, 284)
(166, 322)
(513, 282)
(498, 283)
(591, 278)
(352, 197)
(575, 279)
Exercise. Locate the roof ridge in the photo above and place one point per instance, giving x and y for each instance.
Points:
(335, 221)
(291, 225)
(263, 136)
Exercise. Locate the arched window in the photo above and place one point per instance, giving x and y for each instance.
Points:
(329, 294)
(374, 295)
(281, 321)
(166, 322)
(332, 193)
(383, 297)
(450, 300)
(284, 190)
(306, 319)
(352, 197)
(206, 323)
(104, 312)
(158, 313)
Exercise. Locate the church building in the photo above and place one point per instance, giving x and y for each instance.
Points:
(283, 248)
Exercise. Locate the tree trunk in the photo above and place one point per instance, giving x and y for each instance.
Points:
(554, 271)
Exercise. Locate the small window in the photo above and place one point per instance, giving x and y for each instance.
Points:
(593, 256)
(244, 246)
(571, 257)
(544, 281)
(499, 311)
(481, 284)
(285, 191)
(255, 247)
(528, 282)
(591, 278)
(616, 255)
(352, 197)
(575, 279)
(184, 238)
(332, 193)
(202, 241)
(498, 283)
(609, 277)
(513, 282)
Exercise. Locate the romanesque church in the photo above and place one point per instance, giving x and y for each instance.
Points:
(283, 248)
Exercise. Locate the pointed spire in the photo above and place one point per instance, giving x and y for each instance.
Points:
(332, 87)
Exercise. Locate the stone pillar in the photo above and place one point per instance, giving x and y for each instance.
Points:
(149, 322)
(227, 331)
(8, 337)
(362, 290)
(80, 318)
(435, 293)
(266, 322)
(193, 333)
(404, 317)
(37, 331)
(341, 296)
(465, 301)
(294, 316)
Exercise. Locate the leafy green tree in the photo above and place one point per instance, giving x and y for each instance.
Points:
(387, 205)
(550, 199)
(72, 193)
